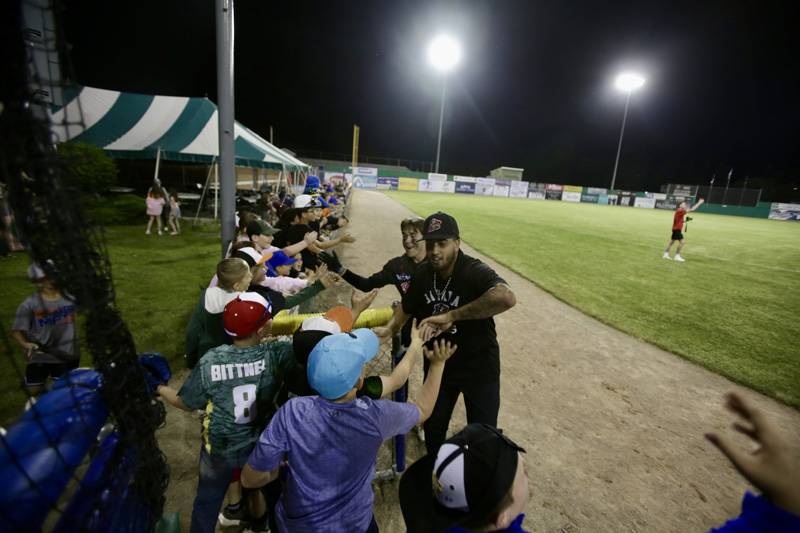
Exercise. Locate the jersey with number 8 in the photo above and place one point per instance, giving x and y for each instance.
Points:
(236, 387)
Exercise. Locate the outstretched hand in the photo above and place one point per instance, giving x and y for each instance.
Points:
(329, 279)
(435, 325)
(773, 466)
(360, 300)
(440, 351)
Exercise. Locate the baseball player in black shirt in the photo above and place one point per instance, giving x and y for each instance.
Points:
(455, 296)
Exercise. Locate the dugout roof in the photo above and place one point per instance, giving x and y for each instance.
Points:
(136, 126)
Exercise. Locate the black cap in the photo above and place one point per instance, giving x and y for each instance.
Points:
(466, 480)
(439, 226)
(305, 341)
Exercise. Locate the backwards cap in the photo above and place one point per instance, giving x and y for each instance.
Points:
(465, 481)
(246, 314)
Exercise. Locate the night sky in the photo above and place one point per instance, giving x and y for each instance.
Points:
(534, 89)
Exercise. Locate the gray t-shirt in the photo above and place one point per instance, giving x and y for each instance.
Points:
(51, 325)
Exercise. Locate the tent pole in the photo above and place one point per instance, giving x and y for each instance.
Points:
(227, 173)
(205, 188)
(158, 163)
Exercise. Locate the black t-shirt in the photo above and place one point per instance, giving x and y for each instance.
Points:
(477, 359)
(294, 234)
(397, 272)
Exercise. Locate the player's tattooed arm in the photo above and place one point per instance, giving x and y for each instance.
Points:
(492, 302)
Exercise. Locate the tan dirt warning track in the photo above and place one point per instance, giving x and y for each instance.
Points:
(613, 426)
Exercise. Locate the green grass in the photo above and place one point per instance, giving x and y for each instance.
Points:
(732, 307)
(157, 280)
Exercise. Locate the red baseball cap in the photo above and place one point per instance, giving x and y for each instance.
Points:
(246, 314)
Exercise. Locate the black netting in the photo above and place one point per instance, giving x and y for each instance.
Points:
(133, 473)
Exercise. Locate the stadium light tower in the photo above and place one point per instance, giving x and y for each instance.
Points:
(444, 54)
(626, 82)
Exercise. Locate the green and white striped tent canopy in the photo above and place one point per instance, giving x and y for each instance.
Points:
(138, 126)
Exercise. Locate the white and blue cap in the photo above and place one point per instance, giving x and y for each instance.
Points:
(335, 363)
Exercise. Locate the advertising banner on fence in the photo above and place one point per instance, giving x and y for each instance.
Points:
(779, 211)
(436, 186)
(536, 191)
(387, 184)
(623, 198)
(519, 189)
(364, 171)
(407, 184)
(553, 191)
(501, 187)
(572, 188)
(484, 186)
(596, 191)
(570, 196)
(468, 179)
(365, 182)
(589, 198)
(465, 187)
(647, 203)
(436, 177)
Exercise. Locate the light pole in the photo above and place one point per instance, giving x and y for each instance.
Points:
(444, 53)
(626, 82)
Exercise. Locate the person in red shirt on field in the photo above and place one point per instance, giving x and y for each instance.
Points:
(677, 230)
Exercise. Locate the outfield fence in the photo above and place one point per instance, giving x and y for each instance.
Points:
(718, 199)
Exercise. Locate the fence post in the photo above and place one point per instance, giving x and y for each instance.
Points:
(400, 395)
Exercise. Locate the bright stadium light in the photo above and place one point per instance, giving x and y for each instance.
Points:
(629, 81)
(626, 82)
(444, 54)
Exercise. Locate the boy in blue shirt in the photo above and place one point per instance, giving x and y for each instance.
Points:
(331, 441)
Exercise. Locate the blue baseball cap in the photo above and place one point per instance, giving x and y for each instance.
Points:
(335, 363)
(280, 258)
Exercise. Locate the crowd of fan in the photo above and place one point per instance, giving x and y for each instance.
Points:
(291, 428)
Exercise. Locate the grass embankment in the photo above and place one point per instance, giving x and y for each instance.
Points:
(157, 280)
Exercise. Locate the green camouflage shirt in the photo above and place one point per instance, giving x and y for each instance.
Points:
(237, 388)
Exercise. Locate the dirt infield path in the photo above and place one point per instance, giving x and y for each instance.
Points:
(613, 426)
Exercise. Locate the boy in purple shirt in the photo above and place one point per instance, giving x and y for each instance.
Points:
(331, 441)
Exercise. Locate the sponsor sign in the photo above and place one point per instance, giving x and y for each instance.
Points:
(554, 187)
(484, 186)
(364, 171)
(407, 184)
(570, 196)
(537, 187)
(536, 195)
(519, 189)
(779, 211)
(436, 186)
(465, 187)
(573, 188)
(501, 187)
(387, 184)
(683, 190)
(589, 198)
(596, 190)
(436, 177)
(552, 194)
(365, 182)
(647, 203)
(468, 179)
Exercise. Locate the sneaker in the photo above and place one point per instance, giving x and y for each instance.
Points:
(679, 259)
(666, 255)
(147, 232)
(228, 518)
(159, 232)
